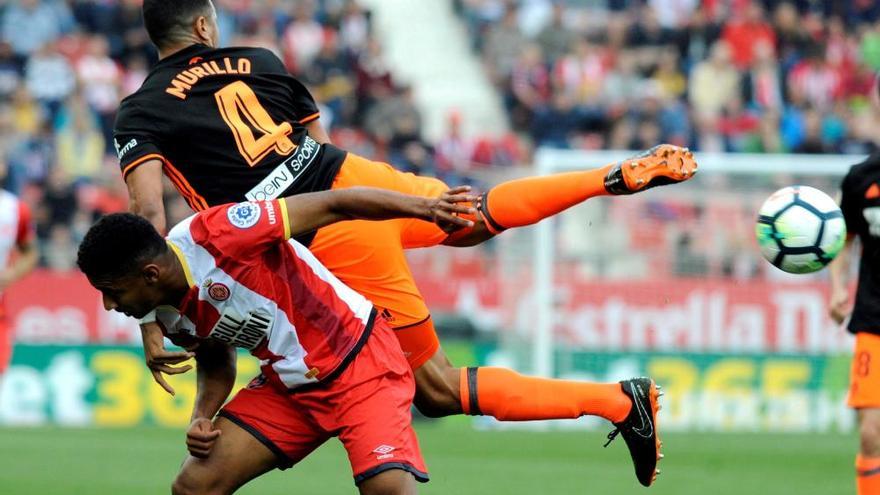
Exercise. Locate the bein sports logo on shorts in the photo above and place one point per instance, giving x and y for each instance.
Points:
(244, 215)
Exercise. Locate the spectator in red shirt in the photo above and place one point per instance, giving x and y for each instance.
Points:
(747, 29)
(814, 80)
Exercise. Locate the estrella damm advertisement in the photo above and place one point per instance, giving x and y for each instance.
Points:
(110, 386)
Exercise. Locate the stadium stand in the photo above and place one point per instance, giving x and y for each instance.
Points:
(722, 75)
(65, 65)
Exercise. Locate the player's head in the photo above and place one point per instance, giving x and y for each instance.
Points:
(181, 22)
(125, 258)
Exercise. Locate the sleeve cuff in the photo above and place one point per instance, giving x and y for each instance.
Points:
(140, 161)
(148, 318)
(285, 218)
(310, 118)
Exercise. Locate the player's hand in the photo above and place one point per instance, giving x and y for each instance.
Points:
(200, 437)
(839, 305)
(160, 360)
(444, 210)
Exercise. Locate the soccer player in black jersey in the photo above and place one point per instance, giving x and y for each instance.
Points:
(860, 203)
(229, 124)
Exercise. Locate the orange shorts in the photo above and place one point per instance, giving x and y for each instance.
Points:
(369, 257)
(864, 389)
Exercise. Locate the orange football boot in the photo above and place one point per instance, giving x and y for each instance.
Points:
(660, 165)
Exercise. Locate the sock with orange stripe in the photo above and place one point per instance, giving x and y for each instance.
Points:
(867, 475)
(522, 202)
(509, 396)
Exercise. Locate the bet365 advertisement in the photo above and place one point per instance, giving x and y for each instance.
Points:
(732, 356)
(110, 386)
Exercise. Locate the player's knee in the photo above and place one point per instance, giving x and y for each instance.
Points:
(391, 482)
(181, 487)
(187, 484)
(869, 435)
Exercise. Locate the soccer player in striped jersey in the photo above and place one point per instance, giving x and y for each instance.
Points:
(18, 257)
(231, 276)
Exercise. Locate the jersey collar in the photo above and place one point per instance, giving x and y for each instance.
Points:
(193, 292)
(184, 55)
(180, 257)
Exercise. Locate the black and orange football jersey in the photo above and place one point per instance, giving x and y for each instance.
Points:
(860, 203)
(228, 125)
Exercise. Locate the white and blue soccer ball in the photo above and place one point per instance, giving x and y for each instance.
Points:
(800, 229)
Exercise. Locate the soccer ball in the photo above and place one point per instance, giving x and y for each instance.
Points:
(800, 229)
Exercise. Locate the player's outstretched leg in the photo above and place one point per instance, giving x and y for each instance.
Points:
(510, 396)
(522, 202)
(630, 405)
(639, 429)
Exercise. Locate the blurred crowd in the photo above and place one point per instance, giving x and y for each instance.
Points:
(66, 64)
(716, 75)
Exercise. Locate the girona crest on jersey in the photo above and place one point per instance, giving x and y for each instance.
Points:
(218, 292)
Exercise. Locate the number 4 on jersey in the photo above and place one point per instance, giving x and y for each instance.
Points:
(243, 113)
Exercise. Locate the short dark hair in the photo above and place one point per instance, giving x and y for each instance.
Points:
(118, 245)
(168, 21)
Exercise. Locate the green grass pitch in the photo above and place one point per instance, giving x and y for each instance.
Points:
(462, 461)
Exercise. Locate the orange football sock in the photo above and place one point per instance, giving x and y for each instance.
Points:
(867, 475)
(522, 202)
(508, 396)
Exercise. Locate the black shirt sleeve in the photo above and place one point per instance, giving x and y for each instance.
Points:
(849, 204)
(305, 107)
(133, 138)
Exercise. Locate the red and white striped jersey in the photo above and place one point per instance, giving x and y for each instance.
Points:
(16, 228)
(252, 287)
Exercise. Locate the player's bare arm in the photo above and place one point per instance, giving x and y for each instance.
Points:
(839, 304)
(215, 370)
(145, 199)
(145, 193)
(311, 211)
(317, 132)
(28, 255)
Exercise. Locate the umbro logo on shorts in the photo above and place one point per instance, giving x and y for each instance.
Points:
(384, 451)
